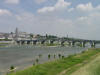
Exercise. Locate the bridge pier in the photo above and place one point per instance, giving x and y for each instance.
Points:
(31, 42)
(22, 42)
(69, 43)
(83, 44)
(62, 43)
(93, 45)
(19, 42)
(28, 42)
(51, 42)
(25, 42)
(38, 43)
(42, 42)
(34, 42)
(72, 44)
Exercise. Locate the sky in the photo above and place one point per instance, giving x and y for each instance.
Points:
(75, 18)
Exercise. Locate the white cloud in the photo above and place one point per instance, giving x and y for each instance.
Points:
(86, 27)
(82, 18)
(40, 1)
(85, 7)
(59, 5)
(97, 8)
(12, 1)
(25, 16)
(4, 12)
(70, 9)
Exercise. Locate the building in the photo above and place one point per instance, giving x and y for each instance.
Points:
(19, 35)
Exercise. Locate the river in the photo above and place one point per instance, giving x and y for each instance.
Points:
(24, 56)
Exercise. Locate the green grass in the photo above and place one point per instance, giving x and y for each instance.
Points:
(96, 71)
(90, 67)
(51, 44)
(57, 66)
(94, 68)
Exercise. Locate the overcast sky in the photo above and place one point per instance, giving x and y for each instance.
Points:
(76, 18)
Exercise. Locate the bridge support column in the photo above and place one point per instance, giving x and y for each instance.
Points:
(25, 43)
(83, 44)
(51, 42)
(34, 42)
(20, 42)
(42, 42)
(62, 43)
(38, 43)
(72, 43)
(93, 45)
(31, 43)
(69, 43)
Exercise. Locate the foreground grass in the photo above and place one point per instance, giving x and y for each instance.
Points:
(57, 66)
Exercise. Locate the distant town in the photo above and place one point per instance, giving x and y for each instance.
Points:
(19, 35)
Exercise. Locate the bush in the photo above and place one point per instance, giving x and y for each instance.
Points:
(12, 67)
(49, 56)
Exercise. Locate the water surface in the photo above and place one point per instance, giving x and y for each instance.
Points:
(23, 56)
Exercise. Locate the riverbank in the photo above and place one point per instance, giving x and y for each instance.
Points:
(91, 68)
(63, 66)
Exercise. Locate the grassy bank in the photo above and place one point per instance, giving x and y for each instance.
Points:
(63, 66)
(91, 68)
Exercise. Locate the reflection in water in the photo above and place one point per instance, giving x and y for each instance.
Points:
(23, 56)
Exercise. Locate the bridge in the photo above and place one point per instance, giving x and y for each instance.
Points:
(60, 41)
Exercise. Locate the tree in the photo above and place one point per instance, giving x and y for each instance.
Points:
(31, 36)
(49, 56)
(59, 55)
(63, 56)
(33, 64)
(12, 67)
(37, 60)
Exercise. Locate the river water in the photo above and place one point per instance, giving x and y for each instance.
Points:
(24, 56)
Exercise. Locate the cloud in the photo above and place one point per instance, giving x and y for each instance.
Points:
(85, 7)
(59, 5)
(70, 9)
(12, 1)
(40, 1)
(5, 12)
(98, 7)
(86, 27)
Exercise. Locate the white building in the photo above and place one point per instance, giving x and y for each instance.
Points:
(2, 37)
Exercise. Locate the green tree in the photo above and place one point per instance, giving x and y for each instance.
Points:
(59, 55)
(12, 67)
(63, 56)
(49, 56)
(37, 60)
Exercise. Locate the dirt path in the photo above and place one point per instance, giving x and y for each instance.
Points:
(90, 68)
(87, 68)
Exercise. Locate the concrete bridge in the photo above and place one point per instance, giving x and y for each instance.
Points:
(60, 41)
